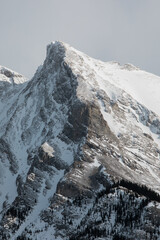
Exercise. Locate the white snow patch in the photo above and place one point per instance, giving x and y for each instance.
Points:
(48, 149)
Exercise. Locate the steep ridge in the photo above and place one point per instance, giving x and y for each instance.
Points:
(68, 137)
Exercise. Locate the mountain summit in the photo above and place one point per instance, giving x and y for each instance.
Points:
(80, 150)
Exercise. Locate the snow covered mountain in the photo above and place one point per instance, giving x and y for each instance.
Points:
(79, 150)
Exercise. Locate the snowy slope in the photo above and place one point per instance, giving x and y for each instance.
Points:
(75, 128)
(142, 86)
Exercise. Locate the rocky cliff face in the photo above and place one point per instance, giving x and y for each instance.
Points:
(79, 151)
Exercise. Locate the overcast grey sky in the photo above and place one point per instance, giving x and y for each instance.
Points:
(126, 31)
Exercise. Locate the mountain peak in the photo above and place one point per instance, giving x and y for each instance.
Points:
(60, 50)
(126, 77)
(60, 43)
(56, 52)
(58, 47)
(10, 76)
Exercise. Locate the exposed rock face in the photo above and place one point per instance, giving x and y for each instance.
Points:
(69, 137)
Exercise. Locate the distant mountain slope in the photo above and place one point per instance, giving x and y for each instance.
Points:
(79, 150)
